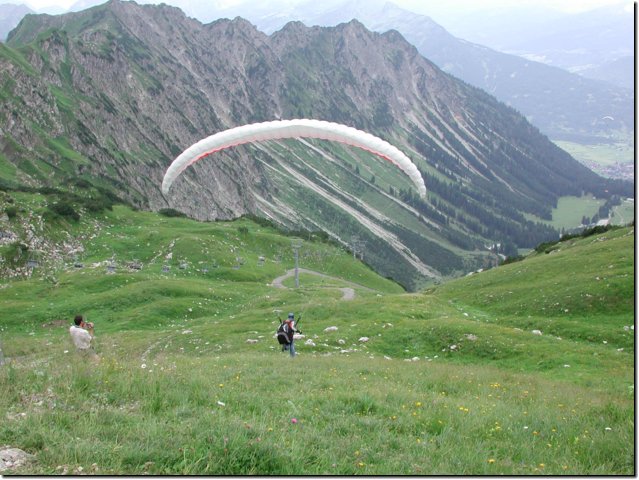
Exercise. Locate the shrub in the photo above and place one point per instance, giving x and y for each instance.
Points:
(96, 205)
(15, 252)
(597, 230)
(11, 211)
(262, 222)
(82, 183)
(545, 247)
(65, 209)
(513, 259)
(49, 191)
(171, 212)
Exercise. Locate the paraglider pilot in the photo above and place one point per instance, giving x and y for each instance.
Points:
(289, 330)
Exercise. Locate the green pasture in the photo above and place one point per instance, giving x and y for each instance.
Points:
(602, 155)
(570, 210)
(624, 214)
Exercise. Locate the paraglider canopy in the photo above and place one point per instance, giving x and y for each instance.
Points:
(282, 129)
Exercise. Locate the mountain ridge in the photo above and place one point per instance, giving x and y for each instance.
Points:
(562, 104)
(127, 87)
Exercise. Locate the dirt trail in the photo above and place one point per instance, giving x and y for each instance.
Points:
(348, 292)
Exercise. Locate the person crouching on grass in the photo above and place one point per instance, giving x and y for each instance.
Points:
(82, 336)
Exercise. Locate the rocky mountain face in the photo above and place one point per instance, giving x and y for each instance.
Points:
(110, 95)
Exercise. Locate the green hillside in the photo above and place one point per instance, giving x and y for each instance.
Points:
(525, 369)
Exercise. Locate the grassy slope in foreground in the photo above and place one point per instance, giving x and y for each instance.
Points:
(451, 381)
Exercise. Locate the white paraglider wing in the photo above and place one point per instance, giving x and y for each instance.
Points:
(281, 129)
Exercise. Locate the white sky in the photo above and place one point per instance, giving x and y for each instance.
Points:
(448, 13)
(568, 6)
(418, 6)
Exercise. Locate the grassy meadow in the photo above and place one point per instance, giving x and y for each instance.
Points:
(603, 155)
(525, 369)
(570, 210)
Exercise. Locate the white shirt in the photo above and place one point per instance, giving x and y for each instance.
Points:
(81, 338)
